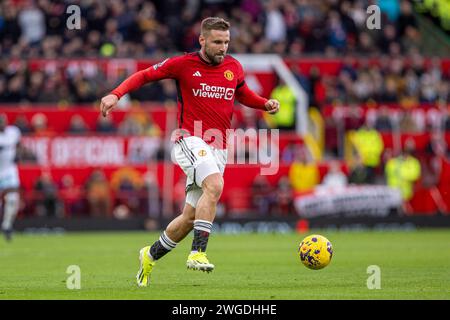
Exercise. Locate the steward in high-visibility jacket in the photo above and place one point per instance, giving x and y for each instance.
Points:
(369, 145)
(285, 117)
(401, 173)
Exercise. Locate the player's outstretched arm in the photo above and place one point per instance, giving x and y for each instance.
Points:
(108, 103)
(166, 69)
(250, 99)
(133, 82)
(272, 106)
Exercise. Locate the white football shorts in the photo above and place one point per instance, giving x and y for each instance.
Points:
(198, 160)
(9, 178)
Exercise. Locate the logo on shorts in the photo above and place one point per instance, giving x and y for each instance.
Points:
(202, 153)
(229, 75)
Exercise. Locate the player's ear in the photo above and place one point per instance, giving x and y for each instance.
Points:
(202, 40)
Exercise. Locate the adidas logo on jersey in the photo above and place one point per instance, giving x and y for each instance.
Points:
(197, 74)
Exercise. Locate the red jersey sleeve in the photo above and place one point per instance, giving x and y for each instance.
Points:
(246, 96)
(167, 69)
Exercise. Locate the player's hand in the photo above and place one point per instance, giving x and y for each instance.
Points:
(108, 103)
(272, 106)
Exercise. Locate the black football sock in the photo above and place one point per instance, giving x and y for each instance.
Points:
(162, 246)
(202, 229)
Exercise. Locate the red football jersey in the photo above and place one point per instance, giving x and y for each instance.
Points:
(206, 93)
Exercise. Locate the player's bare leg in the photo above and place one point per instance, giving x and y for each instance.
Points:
(10, 206)
(180, 227)
(205, 213)
(212, 190)
(176, 231)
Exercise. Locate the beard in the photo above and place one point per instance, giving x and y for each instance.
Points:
(214, 58)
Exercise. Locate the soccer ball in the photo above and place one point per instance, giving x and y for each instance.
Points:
(315, 252)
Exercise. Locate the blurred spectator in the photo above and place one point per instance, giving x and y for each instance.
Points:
(10, 30)
(127, 183)
(130, 126)
(403, 171)
(408, 124)
(285, 118)
(47, 198)
(3, 88)
(105, 125)
(24, 155)
(446, 121)
(275, 26)
(391, 8)
(15, 90)
(331, 136)
(304, 172)
(288, 153)
(383, 122)
(23, 124)
(389, 36)
(345, 119)
(353, 118)
(98, 195)
(436, 170)
(335, 177)
(32, 22)
(337, 36)
(443, 92)
(39, 125)
(128, 194)
(301, 78)
(262, 195)
(369, 146)
(284, 198)
(358, 172)
(150, 128)
(169, 91)
(53, 90)
(406, 18)
(83, 92)
(138, 156)
(434, 150)
(151, 201)
(71, 196)
(35, 86)
(77, 125)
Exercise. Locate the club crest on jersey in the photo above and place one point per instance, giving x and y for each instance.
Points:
(202, 153)
(229, 75)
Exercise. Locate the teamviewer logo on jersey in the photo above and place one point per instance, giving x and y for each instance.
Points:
(215, 92)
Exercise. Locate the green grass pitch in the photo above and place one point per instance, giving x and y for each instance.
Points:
(413, 264)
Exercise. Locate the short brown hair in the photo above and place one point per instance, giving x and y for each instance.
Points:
(214, 23)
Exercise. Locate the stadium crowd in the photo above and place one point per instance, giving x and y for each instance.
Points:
(154, 28)
(293, 28)
(37, 29)
(391, 80)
